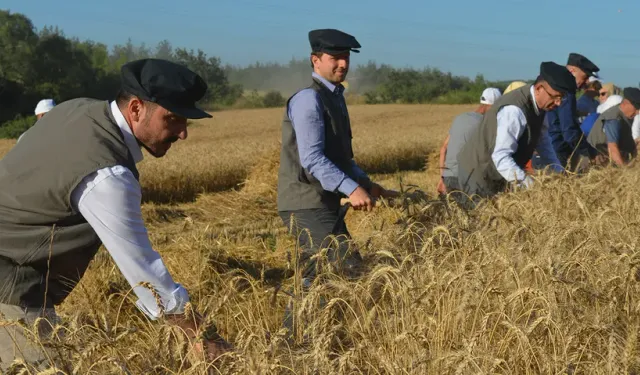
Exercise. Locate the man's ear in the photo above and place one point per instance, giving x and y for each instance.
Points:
(134, 108)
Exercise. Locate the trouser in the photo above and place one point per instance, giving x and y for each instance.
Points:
(27, 343)
(322, 228)
(315, 230)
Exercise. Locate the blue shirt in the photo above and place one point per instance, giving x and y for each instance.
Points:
(612, 131)
(306, 113)
(588, 122)
(564, 129)
(587, 105)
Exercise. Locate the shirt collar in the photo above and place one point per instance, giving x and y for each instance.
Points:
(336, 89)
(533, 98)
(129, 138)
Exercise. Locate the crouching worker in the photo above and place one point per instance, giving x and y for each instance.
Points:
(72, 185)
(461, 129)
(495, 157)
(611, 133)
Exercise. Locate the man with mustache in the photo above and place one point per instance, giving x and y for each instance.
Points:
(316, 160)
(71, 184)
(496, 155)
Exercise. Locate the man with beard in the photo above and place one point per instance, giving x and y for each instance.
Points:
(72, 185)
(316, 159)
(495, 156)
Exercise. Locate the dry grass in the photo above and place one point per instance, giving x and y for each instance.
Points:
(538, 282)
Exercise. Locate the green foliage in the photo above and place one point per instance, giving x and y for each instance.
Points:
(46, 64)
(428, 86)
(17, 126)
(273, 99)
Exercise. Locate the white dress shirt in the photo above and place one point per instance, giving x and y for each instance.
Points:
(511, 124)
(635, 128)
(109, 199)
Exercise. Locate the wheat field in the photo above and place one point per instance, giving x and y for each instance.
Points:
(544, 281)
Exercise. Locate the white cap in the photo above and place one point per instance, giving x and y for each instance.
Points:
(44, 106)
(611, 101)
(594, 78)
(490, 95)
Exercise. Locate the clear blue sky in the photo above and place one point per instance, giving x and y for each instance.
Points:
(502, 39)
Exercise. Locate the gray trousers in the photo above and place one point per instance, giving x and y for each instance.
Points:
(313, 229)
(26, 344)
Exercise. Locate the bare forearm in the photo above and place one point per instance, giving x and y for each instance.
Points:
(443, 154)
(615, 155)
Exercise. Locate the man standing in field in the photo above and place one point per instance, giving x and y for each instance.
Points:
(316, 160)
(72, 184)
(462, 128)
(509, 133)
(567, 138)
(611, 134)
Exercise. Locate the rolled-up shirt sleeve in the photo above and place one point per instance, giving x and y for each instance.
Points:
(612, 131)
(306, 113)
(109, 200)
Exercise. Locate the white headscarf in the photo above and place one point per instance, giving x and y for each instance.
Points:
(611, 101)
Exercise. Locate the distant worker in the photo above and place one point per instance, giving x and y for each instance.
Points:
(588, 102)
(317, 168)
(44, 106)
(495, 157)
(611, 134)
(514, 85)
(462, 127)
(607, 90)
(588, 122)
(567, 138)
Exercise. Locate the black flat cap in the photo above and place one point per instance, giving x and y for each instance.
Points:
(558, 77)
(170, 85)
(583, 63)
(332, 41)
(632, 94)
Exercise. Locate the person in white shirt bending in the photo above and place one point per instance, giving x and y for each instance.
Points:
(496, 154)
(72, 185)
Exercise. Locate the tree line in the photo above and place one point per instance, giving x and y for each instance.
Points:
(36, 64)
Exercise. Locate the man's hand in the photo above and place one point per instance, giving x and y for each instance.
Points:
(211, 345)
(361, 200)
(441, 188)
(378, 191)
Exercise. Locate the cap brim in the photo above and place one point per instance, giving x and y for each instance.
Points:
(338, 51)
(192, 113)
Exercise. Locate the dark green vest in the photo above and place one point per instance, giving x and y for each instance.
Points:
(598, 139)
(477, 172)
(41, 235)
(297, 188)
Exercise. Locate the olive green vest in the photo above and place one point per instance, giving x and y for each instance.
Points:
(598, 139)
(45, 245)
(297, 188)
(477, 173)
